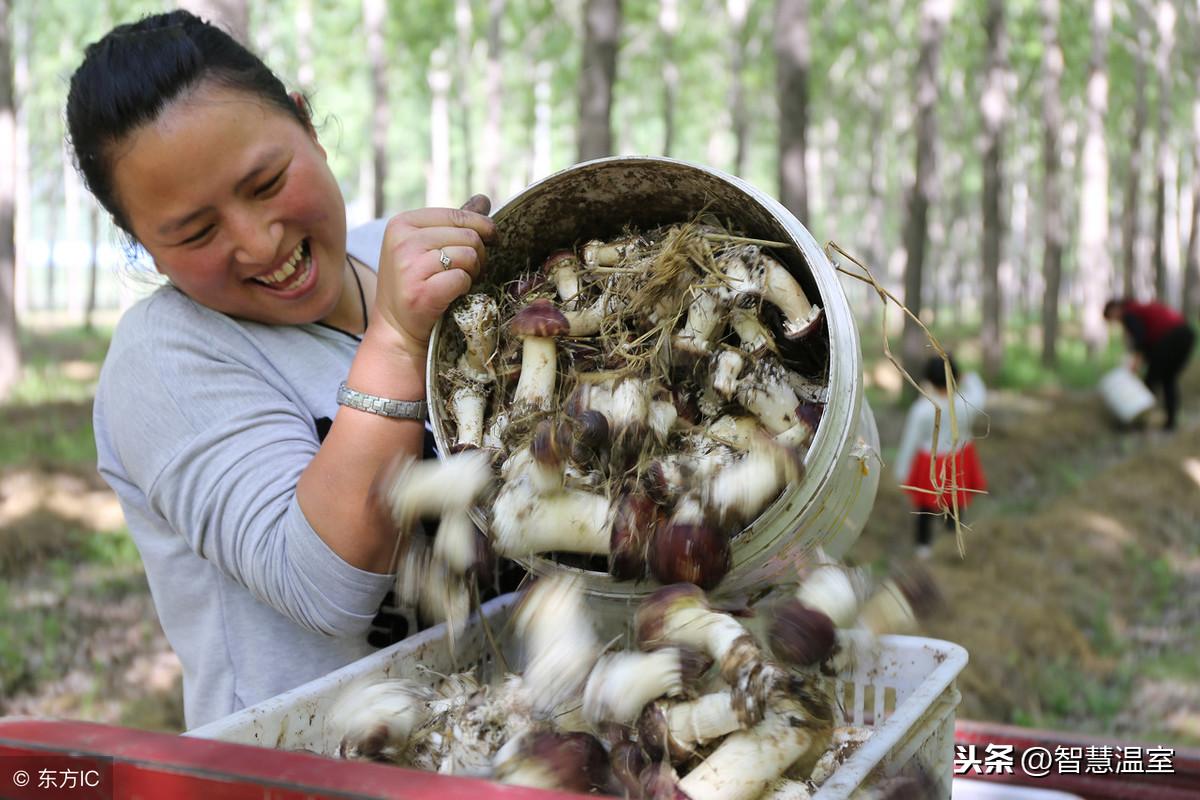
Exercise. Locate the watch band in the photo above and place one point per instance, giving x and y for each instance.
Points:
(383, 406)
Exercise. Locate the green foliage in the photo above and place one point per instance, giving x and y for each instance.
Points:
(1023, 369)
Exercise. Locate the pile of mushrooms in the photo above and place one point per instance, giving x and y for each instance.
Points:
(702, 707)
(640, 399)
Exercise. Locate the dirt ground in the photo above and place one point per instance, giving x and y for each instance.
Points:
(1078, 598)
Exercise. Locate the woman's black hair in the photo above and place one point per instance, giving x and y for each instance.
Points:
(935, 370)
(129, 76)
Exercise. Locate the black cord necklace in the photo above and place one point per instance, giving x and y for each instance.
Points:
(362, 302)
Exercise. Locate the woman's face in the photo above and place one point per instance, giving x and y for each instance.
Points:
(235, 201)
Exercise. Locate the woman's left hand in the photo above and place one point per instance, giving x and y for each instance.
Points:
(430, 257)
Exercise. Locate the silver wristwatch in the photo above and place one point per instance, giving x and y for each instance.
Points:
(383, 406)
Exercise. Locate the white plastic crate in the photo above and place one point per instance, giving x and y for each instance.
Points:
(903, 690)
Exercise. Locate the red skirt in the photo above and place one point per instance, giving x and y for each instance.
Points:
(969, 475)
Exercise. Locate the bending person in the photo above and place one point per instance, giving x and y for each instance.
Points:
(1161, 340)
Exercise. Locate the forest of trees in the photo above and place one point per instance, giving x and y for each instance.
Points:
(1003, 166)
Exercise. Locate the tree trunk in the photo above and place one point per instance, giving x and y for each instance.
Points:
(305, 73)
(1054, 233)
(10, 349)
(375, 22)
(935, 14)
(438, 183)
(22, 290)
(598, 73)
(668, 30)
(994, 108)
(543, 118)
(739, 120)
(1133, 180)
(232, 16)
(1191, 273)
(93, 273)
(792, 58)
(54, 212)
(1165, 19)
(464, 25)
(1095, 266)
(491, 154)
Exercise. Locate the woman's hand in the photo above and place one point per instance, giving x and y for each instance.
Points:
(415, 288)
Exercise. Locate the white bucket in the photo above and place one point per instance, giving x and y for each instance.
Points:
(1125, 395)
(597, 199)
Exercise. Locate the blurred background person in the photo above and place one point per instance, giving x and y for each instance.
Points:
(1161, 341)
(915, 456)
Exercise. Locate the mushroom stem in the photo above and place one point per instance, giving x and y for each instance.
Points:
(679, 728)
(539, 366)
(621, 684)
(414, 488)
(695, 338)
(563, 268)
(765, 393)
(525, 522)
(747, 762)
(559, 642)
(476, 317)
(727, 366)
(466, 406)
(375, 721)
(741, 491)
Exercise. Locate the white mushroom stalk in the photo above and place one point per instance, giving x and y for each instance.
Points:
(830, 589)
(538, 325)
(747, 762)
(559, 642)
(681, 615)
(755, 337)
(737, 431)
(901, 602)
(457, 542)
(663, 419)
(562, 267)
(414, 488)
(375, 721)
(444, 597)
(695, 338)
(787, 789)
(727, 367)
(526, 521)
(750, 272)
(678, 728)
(741, 491)
(467, 407)
(587, 321)
(607, 254)
(621, 684)
(629, 412)
(477, 317)
(493, 437)
(766, 394)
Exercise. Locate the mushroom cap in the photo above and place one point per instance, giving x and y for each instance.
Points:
(539, 318)
(559, 258)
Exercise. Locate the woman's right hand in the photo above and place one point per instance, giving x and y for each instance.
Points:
(414, 288)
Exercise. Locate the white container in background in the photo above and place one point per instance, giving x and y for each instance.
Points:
(1125, 395)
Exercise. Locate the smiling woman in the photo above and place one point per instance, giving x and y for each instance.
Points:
(246, 487)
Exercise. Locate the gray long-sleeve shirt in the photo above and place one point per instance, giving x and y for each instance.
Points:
(203, 426)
